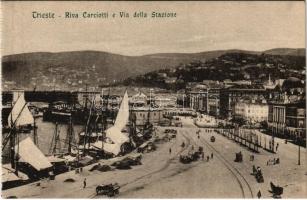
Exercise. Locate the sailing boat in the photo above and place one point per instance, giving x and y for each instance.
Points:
(117, 139)
(25, 151)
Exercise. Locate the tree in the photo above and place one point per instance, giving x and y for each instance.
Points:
(240, 121)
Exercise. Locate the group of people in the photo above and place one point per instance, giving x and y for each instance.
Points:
(273, 161)
(271, 146)
(207, 158)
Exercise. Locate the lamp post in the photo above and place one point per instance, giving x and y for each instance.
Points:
(299, 151)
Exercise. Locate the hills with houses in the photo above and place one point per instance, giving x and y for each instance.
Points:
(74, 70)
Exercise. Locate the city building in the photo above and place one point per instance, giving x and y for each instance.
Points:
(214, 89)
(296, 120)
(287, 111)
(198, 98)
(229, 96)
(138, 100)
(165, 100)
(253, 111)
(205, 97)
(144, 115)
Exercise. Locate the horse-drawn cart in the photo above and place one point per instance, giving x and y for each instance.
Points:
(110, 189)
(277, 191)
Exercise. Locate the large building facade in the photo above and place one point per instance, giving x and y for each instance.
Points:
(251, 111)
(229, 96)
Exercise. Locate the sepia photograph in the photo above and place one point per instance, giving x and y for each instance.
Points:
(157, 99)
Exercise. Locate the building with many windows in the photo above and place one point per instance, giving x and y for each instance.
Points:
(144, 115)
(253, 111)
(229, 96)
(296, 120)
(198, 98)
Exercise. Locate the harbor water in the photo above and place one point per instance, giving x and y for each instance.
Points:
(45, 133)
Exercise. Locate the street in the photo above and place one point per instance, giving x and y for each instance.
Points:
(161, 175)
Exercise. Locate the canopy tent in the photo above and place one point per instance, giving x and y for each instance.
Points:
(29, 153)
(20, 114)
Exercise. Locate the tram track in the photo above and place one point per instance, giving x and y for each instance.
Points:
(164, 167)
(243, 183)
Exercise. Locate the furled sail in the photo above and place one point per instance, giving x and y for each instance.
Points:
(20, 114)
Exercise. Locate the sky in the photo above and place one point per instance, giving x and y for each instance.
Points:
(199, 26)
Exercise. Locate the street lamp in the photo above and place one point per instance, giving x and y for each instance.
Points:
(299, 150)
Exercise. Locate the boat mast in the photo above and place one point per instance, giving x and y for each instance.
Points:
(12, 144)
(35, 138)
(70, 133)
(55, 140)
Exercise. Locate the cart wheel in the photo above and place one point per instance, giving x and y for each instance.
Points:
(111, 194)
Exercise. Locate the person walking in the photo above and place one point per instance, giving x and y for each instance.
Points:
(84, 183)
(277, 146)
(211, 155)
(259, 194)
(170, 150)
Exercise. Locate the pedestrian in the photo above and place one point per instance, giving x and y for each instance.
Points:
(259, 194)
(277, 161)
(81, 169)
(207, 158)
(170, 150)
(277, 146)
(84, 183)
(211, 155)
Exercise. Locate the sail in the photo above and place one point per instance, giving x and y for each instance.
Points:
(115, 133)
(123, 113)
(108, 147)
(30, 153)
(20, 113)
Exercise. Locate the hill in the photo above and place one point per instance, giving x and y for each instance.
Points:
(286, 51)
(72, 70)
(255, 67)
